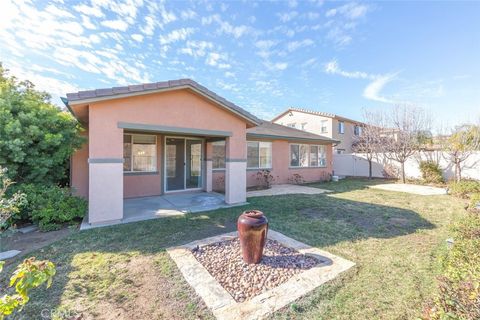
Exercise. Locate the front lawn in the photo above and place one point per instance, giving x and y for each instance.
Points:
(123, 272)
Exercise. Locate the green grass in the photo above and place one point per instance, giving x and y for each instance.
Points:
(392, 237)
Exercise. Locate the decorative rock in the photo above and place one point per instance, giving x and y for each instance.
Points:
(8, 254)
(223, 260)
(28, 229)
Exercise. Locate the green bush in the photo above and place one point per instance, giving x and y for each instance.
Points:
(431, 172)
(464, 188)
(50, 206)
(459, 285)
(474, 200)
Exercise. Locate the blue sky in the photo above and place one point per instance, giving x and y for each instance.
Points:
(337, 57)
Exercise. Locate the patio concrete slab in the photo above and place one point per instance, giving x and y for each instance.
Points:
(411, 188)
(281, 189)
(173, 204)
(225, 307)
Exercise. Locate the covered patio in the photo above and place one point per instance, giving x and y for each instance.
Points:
(167, 205)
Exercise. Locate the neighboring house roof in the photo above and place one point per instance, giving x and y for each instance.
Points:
(317, 113)
(89, 96)
(271, 130)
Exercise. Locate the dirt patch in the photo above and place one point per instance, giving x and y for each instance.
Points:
(152, 288)
(32, 241)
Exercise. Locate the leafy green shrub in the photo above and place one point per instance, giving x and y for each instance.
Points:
(459, 285)
(51, 206)
(431, 172)
(464, 188)
(9, 205)
(474, 200)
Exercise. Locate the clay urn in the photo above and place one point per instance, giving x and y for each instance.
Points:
(252, 230)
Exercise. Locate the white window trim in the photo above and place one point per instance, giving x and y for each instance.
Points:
(308, 155)
(131, 155)
(341, 124)
(258, 155)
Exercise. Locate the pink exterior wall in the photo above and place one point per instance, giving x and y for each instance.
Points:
(281, 168)
(181, 108)
(79, 170)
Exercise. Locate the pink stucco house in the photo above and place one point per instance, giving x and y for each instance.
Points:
(177, 136)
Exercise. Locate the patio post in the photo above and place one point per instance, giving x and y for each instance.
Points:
(105, 163)
(236, 169)
(208, 167)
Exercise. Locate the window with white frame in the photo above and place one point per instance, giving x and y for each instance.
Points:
(304, 155)
(341, 127)
(139, 153)
(218, 155)
(324, 126)
(357, 130)
(291, 125)
(259, 155)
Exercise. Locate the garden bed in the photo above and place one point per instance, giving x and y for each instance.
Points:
(223, 260)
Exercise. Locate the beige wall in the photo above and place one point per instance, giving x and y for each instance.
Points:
(314, 124)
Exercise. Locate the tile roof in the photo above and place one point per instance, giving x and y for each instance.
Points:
(268, 129)
(318, 113)
(118, 92)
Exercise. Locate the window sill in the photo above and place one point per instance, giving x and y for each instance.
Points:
(258, 169)
(140, 173)
(219, 169)
(322, 167)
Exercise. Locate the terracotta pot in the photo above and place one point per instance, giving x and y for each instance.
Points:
(252, 230)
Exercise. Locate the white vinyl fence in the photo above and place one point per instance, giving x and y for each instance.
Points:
(356, 165)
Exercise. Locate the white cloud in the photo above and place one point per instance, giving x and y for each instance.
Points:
(295, 45)
(115, 24)
(332, 67)
(89, 11)
(137, 37)
(188, 14)
(287, 16)
(176, 35)
(218, 60)
(374, 88)
(226, 27)
(196, 48)
(87, 23)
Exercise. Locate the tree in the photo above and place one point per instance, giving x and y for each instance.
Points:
(36, 137)
(460, 145)
(29, 275)
(408, 128)
(369, 138)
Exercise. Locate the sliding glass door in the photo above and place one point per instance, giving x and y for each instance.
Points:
(183, 164)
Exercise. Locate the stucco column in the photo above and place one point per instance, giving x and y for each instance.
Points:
(236, 169)
(208, 167)
(105, 162)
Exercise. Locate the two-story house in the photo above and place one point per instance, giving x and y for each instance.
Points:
(326, 124)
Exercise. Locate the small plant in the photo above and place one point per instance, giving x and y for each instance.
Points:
(8, 205)
(464, 188)
(475, 202)
(390, 172)
(51, 206)
(265, 179)
(431, 172)
(296, 179)
(458, 294)
(29, 275)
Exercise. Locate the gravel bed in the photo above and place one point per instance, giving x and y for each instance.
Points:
(223, 260)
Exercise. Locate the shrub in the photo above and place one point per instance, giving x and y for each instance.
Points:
(296, 179)
(36, 137)
(9, 205)
(431, 172)
(51, 206)
(464, 188)
(474, 201)
(459, 286)
(264, 179)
